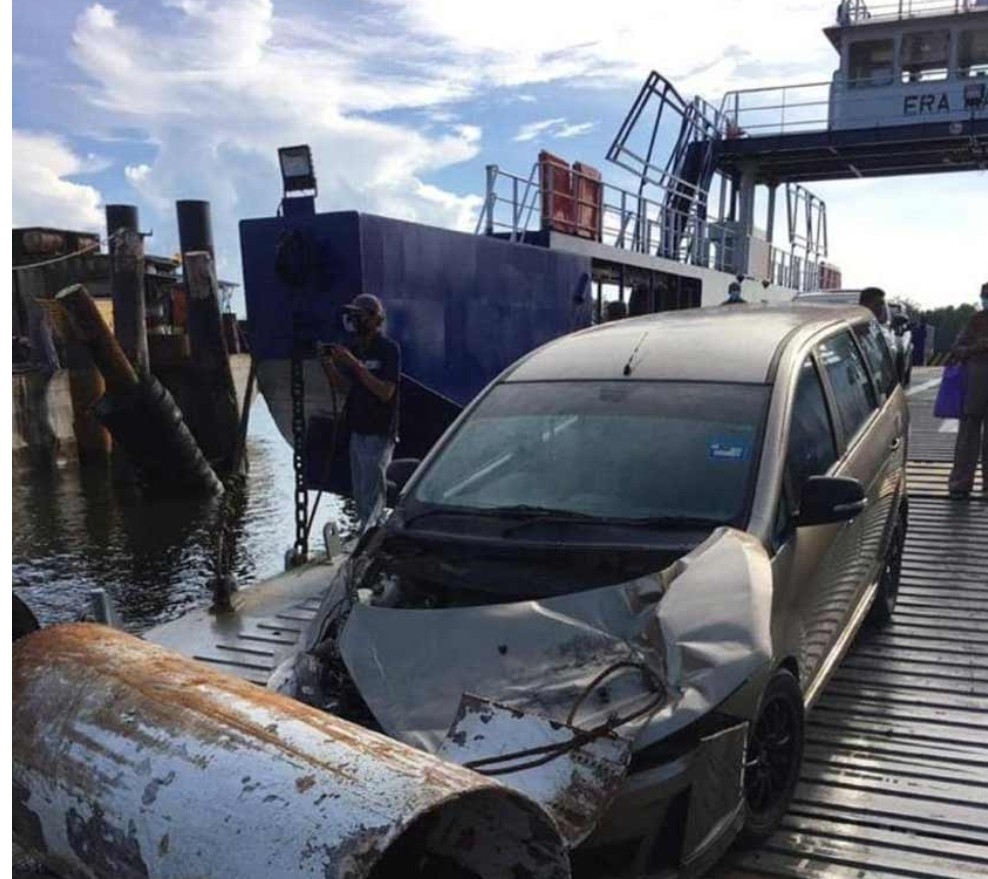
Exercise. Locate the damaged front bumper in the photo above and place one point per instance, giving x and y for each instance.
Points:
(677, 810)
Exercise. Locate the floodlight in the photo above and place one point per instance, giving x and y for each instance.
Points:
(297, 173)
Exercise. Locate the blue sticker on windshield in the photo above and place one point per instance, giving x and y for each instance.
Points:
(733, 449)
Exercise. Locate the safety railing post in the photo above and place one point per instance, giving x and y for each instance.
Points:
(547, 209)
(489, 206)
(515, 212)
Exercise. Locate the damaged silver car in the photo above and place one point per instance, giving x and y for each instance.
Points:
(626, 572)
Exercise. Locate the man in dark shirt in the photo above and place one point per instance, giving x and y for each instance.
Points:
(370, 366)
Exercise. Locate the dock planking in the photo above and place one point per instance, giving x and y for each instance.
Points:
(895, 776)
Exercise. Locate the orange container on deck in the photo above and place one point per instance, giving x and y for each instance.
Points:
(589, 192)
(556, 183)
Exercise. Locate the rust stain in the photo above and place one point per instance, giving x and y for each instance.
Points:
(164, 679)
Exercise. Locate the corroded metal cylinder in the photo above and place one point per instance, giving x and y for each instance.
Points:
(132, 761)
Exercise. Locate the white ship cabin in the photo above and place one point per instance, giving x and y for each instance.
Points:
(909, 61)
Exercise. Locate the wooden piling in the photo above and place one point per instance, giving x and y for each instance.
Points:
(127, 283)
(219, 421)
(108, 356)
(140, 414)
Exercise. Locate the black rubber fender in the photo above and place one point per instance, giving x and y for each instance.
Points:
(148, 425)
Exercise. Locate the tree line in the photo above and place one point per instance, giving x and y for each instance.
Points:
(948, 321)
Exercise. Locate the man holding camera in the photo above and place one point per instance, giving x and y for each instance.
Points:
(368, 367)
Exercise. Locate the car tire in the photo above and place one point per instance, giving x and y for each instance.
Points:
(887, 592)
(773, 758)
(24, 621)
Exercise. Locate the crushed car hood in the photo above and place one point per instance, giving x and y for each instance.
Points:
(701, 627)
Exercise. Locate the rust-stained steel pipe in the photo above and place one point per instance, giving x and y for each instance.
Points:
(132, 761)
(89, 326)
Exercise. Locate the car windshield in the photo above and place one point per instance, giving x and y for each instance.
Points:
(609, 449)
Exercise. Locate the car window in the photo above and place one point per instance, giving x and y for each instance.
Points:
(812, 450)
(879, 358)
(854, 393)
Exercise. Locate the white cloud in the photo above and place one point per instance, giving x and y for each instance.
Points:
(230, 81)
(575, 130)
(42, 193)
(744, 41)
(532, 130)
(556, 128)
(137, 173)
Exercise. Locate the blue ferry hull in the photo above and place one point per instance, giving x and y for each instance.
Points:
(462, 307)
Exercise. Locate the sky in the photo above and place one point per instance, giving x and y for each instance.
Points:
(404, 102)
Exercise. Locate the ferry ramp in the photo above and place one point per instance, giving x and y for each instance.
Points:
(895, 773)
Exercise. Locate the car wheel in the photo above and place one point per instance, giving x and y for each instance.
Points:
(888, 584)
(24, 622)
(774, 757)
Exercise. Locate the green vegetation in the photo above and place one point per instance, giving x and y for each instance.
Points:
(949, 322)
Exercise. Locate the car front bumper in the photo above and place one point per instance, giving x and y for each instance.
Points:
(674, 816)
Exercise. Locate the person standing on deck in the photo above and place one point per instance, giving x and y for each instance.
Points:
(734, 296)
(971, 349)
(873, 298)
(370, 366)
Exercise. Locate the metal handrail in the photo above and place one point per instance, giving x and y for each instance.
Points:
(628, 221)
(808, 106)
(857, 11)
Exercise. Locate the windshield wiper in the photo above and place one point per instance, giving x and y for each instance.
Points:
(555, 516)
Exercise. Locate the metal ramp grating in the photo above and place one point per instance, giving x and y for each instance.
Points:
(895, 778)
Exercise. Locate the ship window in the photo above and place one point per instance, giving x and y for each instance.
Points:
(972, 55)
(871, 63)
(925, 56)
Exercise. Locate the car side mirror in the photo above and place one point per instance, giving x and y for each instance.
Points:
(829, 499)
(396, 478)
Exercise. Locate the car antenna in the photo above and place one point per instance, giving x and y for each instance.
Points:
(628, 367)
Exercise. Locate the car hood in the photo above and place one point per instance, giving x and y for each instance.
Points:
(696, 631)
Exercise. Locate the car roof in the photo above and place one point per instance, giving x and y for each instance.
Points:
(735, 343)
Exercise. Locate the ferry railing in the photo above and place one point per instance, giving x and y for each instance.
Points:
(818, 106)
(516, 207)
(858, 11)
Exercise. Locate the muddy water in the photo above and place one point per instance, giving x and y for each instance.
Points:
(74, 531)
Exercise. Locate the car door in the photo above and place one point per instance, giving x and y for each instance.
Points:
(872, 442)
(809, 563)
(884, 444)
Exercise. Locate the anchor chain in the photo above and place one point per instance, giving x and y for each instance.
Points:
(301, 547)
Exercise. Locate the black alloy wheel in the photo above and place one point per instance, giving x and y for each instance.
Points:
(888, 584)
(24, 621)
(774, 757)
